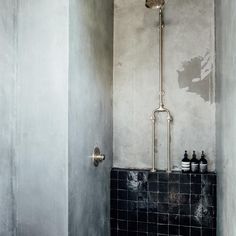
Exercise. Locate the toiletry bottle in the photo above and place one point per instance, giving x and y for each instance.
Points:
(194, 163)
(203, 163)
(185, 163)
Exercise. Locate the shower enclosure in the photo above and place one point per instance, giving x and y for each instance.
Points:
(81, 75)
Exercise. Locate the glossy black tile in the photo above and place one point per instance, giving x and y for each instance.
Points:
(163, 197)
(185, 188)
(163, 218)
(185, 178)
(162, 204)
(173, 230)
(174, 219)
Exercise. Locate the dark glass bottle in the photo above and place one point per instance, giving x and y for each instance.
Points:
(203, 163)
(194, 163)
(185, 165)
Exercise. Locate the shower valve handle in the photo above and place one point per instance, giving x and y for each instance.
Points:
(97, 157)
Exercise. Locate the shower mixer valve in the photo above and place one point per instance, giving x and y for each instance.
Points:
(97, 157)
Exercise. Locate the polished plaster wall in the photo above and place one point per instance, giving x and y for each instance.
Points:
(41, 134)
(225, 115)
(90, 115)
(7, 72)
(188, 75)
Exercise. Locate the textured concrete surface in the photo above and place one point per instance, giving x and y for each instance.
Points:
(188, 74)
(90, 115)
(226, 110)
(42, 118)
(7, 52)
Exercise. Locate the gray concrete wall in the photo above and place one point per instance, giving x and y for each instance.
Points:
(42, 118)
(226, 110)
(189, 81)
(90, 115)
(7, 107)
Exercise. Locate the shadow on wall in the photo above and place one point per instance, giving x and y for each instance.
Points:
(196, 75)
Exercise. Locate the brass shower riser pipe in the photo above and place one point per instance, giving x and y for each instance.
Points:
(161, 108)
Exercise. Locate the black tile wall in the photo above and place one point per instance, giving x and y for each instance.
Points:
(151, 204)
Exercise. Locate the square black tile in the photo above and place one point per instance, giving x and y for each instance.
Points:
(152, 217)
(196, 199)
(185, 188)
(153, 187)
(163, 207)
(122, 185)
(132, 195)
(122, 205)
(122, 175)
(132, 215)
(152, 197)
(142, 196)
(185, 231)
(196, 221)
(142, 206)
(174, 188)
(184, 220)
(163, 197)
(185, 178)
(174, 219)
(132, 205)
(122, 233)
(163, 177)
(153, 207)
(196, 188)
(174, 198)
(142, 227)
(174, 178)
(122, 215)
(173, 209)
(184, 209)
(152, 228)
(152, 177)
(173, 230)
(195, 178)
(142, 217)
(184, 199)
(163, 187)
(163, 229)
(122, 224)
(132, 226)
(114, 174)
(195, 231)
(163, 219)
(122, 194)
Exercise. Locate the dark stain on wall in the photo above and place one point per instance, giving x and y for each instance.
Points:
(196, 76)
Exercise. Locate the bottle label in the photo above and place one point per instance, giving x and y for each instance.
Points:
(203, 168)
(194, 167)
(185, 166)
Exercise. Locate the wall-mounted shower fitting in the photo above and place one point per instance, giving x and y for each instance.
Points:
(97, 157)
(159, 4)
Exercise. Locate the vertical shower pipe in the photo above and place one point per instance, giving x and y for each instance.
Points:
(161, 107)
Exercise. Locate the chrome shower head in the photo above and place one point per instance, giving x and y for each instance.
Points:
(155, 4)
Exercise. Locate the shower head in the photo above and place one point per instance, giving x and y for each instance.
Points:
(155, 4)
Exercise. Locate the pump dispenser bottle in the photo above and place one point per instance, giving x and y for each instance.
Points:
(194, 163)
(185, 163)
(203, 163)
